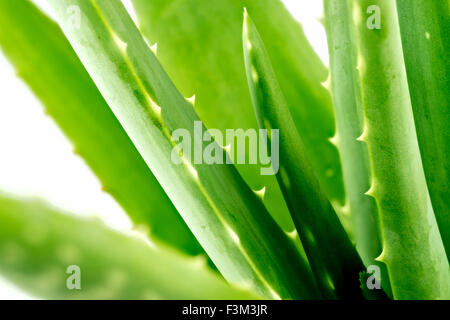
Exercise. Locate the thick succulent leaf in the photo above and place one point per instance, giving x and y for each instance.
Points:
(334, 261)
(199, 44)
(412, 247)
(425, 31)
(346, 91)
(42, 249)
(227, 218)
(45, 60)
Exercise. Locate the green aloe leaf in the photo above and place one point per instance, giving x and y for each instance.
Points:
(347, 95)
(227, 218)
(199, 44)
(425, 30)
(333, 259)
(45, 60)
(412, 248)
(42, 251)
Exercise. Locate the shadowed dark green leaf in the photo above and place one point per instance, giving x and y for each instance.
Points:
(425, 30)
(333, 259)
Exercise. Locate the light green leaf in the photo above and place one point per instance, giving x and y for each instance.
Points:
(199, 44)
(412, 248)
(45, 60)
(333, 259)
(227, 218)
(44, 251)
(425, 30)
(346, 89)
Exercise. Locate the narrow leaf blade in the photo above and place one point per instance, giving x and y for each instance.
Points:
(347, 95)
(333, 259)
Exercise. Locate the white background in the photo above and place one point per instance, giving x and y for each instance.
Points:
(37, 160)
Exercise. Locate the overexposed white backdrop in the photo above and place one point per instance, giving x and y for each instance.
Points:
(37, 160)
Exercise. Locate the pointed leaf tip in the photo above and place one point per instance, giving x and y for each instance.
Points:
(292, 234)
(154, 48)
(334, 140)
(327, 83)
(260, 193)
(363, 136)
(191, 100)
(371, 191)
(381, 257)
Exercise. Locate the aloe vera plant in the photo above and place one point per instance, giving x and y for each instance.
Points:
(191, 32)
(369, 196)
(217, 216)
